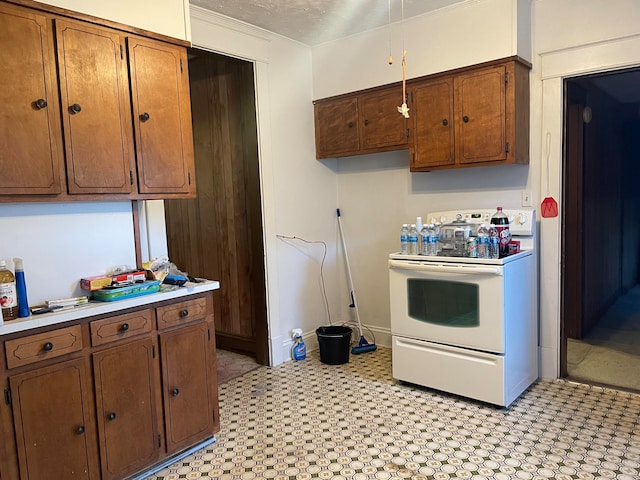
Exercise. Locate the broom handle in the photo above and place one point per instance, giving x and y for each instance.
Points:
(346, 258)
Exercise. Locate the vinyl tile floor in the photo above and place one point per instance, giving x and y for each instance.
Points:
(308, 420)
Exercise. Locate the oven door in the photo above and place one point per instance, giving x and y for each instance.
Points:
(453, 304)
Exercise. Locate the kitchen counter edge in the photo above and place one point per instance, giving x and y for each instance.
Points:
(99, 308)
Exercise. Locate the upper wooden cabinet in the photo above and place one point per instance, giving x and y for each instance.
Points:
(96, 110)
(477, 116)
(123, 100)
(472, 116)
(162, 117)
(31, 157)
(368, 122)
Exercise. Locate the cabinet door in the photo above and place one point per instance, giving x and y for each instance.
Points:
(125, 384)
(30, 136)
(186, 379)
(381, 125)
(433, 139)
(95, 109)
(336, 123)
(162, 117)
(481, 115)
(53, 416)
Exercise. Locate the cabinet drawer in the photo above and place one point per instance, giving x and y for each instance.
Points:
(31, 349)
(120, 327)
(181, 312)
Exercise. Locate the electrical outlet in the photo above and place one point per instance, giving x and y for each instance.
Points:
(526, 198)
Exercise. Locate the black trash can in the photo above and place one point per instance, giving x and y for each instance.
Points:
(334, 343)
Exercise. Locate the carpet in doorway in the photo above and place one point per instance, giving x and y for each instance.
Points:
(231, 365)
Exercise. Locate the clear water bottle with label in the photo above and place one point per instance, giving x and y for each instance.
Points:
(494, 242)
(424, 240)
(404, 239)
(483, 241)
(501, 222)
(413, 240)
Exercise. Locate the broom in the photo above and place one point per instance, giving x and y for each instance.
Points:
(363, 346)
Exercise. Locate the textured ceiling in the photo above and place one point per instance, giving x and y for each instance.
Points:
(317, 21)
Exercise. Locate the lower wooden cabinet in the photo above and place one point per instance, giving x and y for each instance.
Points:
(54, 422)
(126, 387)
(110, 396)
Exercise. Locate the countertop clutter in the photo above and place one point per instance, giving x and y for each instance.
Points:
(93, 308)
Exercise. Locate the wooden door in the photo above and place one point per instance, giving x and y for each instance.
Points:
(381, 125)
(186, 381)
(432, 111)
(126, 387)
(219, 234)
(31, 158)
(336, 123)
(479, 97)
(162, 117)
(96, 110)
(55, 428)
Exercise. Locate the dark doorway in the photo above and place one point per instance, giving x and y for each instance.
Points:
(218, 235)
(601, 229)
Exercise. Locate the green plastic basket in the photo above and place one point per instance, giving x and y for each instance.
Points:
(130, 291)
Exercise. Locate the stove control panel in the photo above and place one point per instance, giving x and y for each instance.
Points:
(522, 221)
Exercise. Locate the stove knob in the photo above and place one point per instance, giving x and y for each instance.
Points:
(522, 218)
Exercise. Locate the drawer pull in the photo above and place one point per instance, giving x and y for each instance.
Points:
(40, 104)
(184, 313)
(445, 122)
(465, 119)
(175, 392)
(75, 108)
(145, 116)
(47, 347)
(111, 416)
(124, 327)
(80, 430)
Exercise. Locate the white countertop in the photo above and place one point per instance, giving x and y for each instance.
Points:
(98, 308)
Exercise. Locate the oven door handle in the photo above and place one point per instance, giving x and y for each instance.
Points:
(440, 268)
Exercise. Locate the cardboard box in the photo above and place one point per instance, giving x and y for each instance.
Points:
(99, 281)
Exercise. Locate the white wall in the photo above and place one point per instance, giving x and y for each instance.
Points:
(168, 17)
(571, 38)
(377, 193)
(299, 193)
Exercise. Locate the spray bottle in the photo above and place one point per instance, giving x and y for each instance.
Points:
(21, 289)
(299, 349)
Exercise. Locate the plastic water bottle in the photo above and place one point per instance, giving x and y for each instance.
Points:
(501, 222)
(483, 241)
(424, 240)
(433, 240)
(413, 240)
(404, 239)
(494, 242)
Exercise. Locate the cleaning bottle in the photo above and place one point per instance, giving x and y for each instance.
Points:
(299, 349)
(8, 296)
(21, 289)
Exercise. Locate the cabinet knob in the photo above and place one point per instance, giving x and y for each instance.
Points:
(40, 104)
(145, 116)
(366, 122)
(75, 108)
(47, 347)
(445, 122)
(465, 119)
(184, 313)
(80, 430)
(350, 124)
(124, 327)
(175, 392)
(111, 416)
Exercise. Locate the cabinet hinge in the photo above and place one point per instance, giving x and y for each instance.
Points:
(7, 396)
(506, 148)
(153, 351)
(407, 133)
(131, 177)
(506, 77)
(181, 66)
(159, 441)
(121, 53)
(189, 175)
(209, 334)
